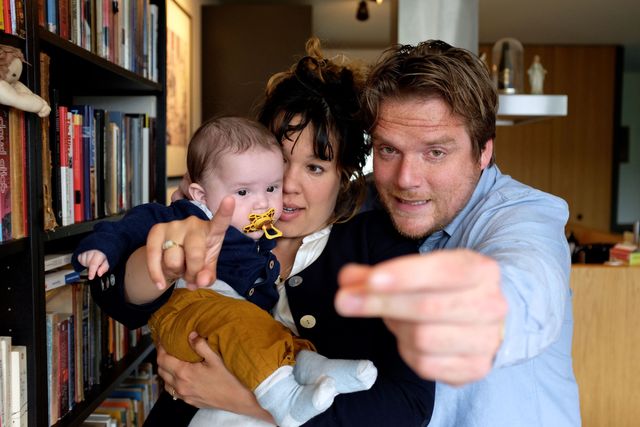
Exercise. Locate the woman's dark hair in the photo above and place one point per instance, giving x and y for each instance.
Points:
(326, 95)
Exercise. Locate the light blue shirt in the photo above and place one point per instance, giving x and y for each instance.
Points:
(532, 381)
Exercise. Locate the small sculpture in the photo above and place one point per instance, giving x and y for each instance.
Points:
(536, 76)
(12, 92)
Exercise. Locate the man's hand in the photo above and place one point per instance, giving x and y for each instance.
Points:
(446, 310)
(194, 249)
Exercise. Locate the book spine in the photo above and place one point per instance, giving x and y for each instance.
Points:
(5, 176)
(78, 169)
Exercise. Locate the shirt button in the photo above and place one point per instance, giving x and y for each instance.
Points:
(295, 281)
(271, 264)
(308, 321)
(251, 291)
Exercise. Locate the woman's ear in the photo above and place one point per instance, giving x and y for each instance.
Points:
(197, 193)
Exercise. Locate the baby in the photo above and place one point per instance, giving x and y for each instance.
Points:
(239, 157)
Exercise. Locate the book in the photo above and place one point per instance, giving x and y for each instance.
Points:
(17, 144)
(5, 383)
(5, 176)
(53, 261)
(19, 386)
(49, 214)
(61, 277)
(77, 166)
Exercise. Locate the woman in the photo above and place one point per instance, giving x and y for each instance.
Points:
(313, 111)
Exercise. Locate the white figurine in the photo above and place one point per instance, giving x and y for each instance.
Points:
(12, 92)
(536, 76)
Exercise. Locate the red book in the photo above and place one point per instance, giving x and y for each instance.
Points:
(5, 176)
(63, 19)
(78, 170)
(7, 17)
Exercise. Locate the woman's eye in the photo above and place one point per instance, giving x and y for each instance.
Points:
(315, 169)
(271, 189)
(241, 192)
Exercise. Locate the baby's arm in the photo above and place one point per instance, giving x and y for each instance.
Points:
(95, 261)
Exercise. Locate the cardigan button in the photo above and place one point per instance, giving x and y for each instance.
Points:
(295, 281)
(252, 291)
(307, 321)
(271, 264)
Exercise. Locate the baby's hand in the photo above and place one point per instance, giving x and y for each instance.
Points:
(95, 261)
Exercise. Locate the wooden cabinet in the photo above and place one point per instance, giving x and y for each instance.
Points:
(606, 344)
(570, 156)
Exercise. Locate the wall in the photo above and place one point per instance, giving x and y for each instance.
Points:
(629, 174)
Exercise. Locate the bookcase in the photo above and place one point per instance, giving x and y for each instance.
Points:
(74, 72)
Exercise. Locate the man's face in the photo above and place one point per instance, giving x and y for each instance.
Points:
(423, 164)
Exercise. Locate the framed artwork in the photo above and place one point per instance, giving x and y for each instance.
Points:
(178, 85)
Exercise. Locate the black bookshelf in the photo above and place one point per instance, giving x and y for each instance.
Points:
(77, 72)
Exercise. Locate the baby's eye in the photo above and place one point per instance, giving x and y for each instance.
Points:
(241, 192)
(271, 189)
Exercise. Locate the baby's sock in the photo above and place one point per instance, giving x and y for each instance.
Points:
(292, 404)
(350, 375)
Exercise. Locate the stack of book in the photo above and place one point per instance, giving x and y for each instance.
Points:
(13, 384)
(129, 404)
(82, 341)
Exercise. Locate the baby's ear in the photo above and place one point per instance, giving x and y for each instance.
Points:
(197, 193)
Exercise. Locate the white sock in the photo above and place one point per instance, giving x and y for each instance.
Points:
(290, 403)
(349, 375)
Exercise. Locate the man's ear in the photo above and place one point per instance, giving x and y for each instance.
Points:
(486, 155)
(197, 193)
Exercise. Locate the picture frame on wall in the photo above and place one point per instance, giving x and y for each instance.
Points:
(179, 78)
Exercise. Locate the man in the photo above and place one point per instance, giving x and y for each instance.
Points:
(486, 311)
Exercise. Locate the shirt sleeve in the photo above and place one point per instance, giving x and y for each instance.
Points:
(119, 239)
(528, 241)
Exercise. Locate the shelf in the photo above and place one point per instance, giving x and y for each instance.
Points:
(76, 229)
(520, 109)
(108, 381)
(12, 247)
(93, 68)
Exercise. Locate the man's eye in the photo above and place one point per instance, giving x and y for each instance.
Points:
(437, 154)
(386, 150)
(241, 192)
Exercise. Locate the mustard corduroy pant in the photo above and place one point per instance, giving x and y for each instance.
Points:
(252, 344)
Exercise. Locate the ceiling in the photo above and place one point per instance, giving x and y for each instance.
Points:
(539, 21)
(565, 22)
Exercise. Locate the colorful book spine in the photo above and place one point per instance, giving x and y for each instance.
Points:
(5, 176)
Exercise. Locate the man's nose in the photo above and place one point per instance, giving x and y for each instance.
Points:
(409, 173)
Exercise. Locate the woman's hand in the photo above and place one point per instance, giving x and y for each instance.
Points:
(188, 248)
(207, 384)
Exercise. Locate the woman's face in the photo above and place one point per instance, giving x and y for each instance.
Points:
(310, 187)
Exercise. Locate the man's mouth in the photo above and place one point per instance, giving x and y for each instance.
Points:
(412, 202)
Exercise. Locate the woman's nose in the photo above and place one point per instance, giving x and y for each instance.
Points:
(291, 182)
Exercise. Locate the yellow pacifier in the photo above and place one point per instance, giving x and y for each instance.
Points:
(263, 222)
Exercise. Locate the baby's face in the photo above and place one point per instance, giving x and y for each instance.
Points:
(253, 178)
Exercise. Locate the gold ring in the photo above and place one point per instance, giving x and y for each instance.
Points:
(168, 244)
(173, 393)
